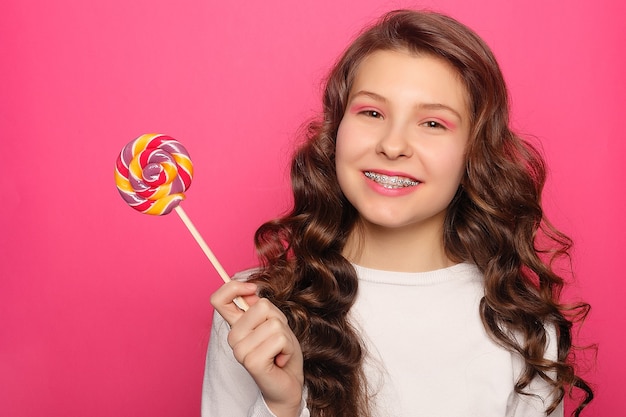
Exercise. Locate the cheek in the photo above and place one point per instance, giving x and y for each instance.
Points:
(353, 141)
(342, 133)
(342, 146)
(457, 163)
(447, 162)
(339, 151)
(343, 156)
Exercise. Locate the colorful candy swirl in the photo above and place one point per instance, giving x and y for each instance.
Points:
(152, 173)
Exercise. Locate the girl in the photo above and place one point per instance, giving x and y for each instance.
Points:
(412, 276)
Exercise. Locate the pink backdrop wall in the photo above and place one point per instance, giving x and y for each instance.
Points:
(105, 312)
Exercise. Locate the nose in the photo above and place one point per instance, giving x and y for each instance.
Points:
(394, 143)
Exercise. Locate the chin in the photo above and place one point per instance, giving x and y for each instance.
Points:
(397, 222)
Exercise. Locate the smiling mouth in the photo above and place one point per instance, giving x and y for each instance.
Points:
(391, 181)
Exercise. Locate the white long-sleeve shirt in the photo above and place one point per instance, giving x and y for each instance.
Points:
(429, 354)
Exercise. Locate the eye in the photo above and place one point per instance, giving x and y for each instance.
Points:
(433, 124)
(372, 113)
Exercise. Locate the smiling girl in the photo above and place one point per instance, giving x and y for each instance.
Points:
(407, 278)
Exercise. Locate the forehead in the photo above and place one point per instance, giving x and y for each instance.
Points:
(417, 76)
(386, 58)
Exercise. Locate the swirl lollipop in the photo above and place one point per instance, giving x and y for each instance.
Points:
(152, 174)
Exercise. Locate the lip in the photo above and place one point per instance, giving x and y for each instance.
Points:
(391, 190)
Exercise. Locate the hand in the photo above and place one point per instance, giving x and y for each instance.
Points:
(265, 345)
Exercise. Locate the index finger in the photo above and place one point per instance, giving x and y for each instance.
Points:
(227, 300)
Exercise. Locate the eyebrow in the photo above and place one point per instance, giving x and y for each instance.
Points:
(370, 94)
(439, 106)
(427, 106)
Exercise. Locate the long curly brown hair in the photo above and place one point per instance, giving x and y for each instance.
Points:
(495, 221)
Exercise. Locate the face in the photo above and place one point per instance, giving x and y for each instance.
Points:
(401, 143)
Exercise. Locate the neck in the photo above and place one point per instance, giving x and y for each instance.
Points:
(402, 249)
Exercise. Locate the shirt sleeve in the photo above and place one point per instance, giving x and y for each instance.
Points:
(535, 405)
(228, 389)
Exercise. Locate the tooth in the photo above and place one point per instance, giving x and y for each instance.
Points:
(391, 182)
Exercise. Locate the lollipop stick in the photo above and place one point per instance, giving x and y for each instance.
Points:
(240, 302)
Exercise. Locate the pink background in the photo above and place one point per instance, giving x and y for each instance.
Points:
(105, 312)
